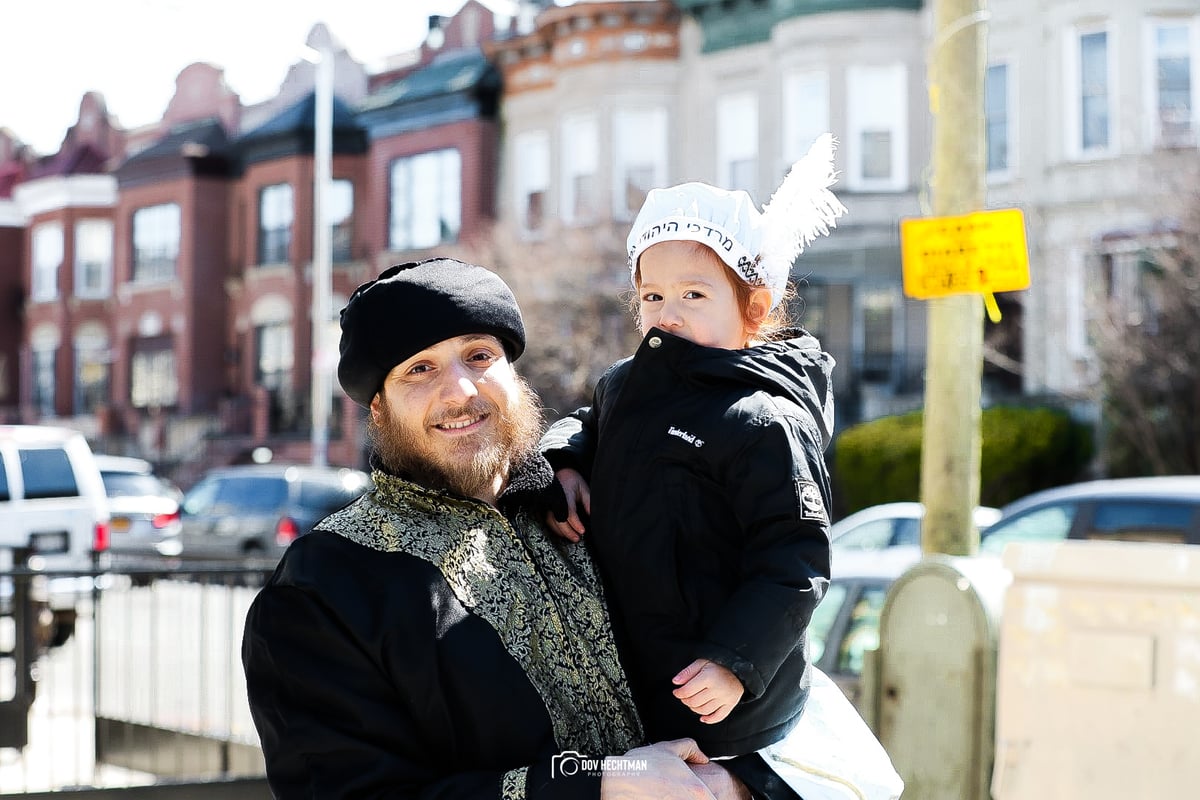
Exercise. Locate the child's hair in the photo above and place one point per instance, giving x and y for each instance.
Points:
(769, 327)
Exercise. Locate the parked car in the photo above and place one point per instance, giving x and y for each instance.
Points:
(53, 517)
(891, 525)
(144, 516)
(256, 510)
(1158, 509)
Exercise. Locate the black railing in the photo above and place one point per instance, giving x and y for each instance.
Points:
(126, 677)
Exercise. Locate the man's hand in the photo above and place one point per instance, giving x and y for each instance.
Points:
(709, 689)
(668, 775)
(570, 526)
(721, 782)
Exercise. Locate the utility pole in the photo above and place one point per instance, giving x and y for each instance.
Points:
(950, 453)
(322, 273)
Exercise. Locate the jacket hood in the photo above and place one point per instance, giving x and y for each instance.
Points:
(792, 366)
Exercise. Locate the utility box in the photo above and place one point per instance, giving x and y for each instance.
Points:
(937, 675)
(1099, 690)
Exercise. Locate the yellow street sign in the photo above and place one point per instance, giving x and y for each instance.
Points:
(978, 253)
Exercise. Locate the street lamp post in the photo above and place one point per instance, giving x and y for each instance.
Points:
(322, 271)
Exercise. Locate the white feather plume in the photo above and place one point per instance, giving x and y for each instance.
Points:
(802, 208)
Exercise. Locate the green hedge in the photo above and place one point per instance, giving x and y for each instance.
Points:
(1023, 450)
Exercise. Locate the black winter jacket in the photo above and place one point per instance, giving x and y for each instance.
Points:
(423, 646)
(709, 522)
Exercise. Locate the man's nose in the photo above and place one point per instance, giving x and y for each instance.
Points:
(459, 383)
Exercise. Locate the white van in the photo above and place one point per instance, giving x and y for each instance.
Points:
(52, 500)
(53, 516)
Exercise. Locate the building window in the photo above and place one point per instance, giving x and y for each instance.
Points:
(426, 200)
(276, 212)
(532, 179)
(341, 216)
(737, 141)
(93, 258)
(996, 122)
(42, 395)
(47, 258)
(1171, 92)
(273, 372)
(879, 334)
(877, 128)
(156, 234)
(580, 161)
(92, 373)
(812, 308)
(1089, 88)
(805, 112)
(153, 381)
(639, 157)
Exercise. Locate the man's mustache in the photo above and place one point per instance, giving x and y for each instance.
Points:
(476, 407)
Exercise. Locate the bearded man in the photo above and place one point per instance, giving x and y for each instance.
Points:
(431, 639)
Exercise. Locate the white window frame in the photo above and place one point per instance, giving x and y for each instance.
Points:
(805, 112)
(640, 142)
(1153, 127)
(425, 199)
(93, 370)
(868, 85)
(48, 251)
(737, 139)
(93, 247)
(531, 175)
(1073, 91)
(580, 158)
(155, 255)
(1011, 128)
(276, 223)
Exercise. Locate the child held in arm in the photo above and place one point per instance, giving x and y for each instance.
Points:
(697, 476)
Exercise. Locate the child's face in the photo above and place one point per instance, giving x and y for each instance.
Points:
(689, 294)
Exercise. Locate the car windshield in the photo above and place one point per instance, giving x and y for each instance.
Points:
(236, 495)
(1046, 524)
(132, 484)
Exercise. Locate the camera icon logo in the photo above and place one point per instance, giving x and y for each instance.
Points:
(566, 763)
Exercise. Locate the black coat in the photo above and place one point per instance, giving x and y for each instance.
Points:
(420, 645)
(709, 498)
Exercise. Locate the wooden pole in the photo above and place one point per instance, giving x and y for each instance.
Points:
(951, 446)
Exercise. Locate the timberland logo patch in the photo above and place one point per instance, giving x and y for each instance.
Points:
(811, 505)
(690, 438)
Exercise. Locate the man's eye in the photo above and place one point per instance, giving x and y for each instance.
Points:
(483, 355)
(417, 369)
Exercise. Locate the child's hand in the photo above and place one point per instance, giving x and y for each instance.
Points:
(709, 689)
(570, 526)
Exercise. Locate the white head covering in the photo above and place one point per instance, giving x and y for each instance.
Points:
(759, 247)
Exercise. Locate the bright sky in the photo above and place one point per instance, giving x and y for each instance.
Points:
(54, 51)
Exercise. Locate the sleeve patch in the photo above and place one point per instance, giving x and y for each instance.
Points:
(812, 507)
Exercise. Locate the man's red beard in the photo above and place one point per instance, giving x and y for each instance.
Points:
(467, 467)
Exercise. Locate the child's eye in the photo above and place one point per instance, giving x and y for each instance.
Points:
(693, 295)
(651, 297)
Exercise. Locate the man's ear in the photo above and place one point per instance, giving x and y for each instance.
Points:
(376, 410)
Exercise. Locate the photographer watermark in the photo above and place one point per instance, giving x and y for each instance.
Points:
(569, 763)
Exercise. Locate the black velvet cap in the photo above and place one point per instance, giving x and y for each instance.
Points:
(412, 306)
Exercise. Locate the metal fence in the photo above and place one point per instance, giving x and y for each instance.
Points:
(115, 679)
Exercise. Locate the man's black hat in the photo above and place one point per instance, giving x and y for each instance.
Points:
(412, 306)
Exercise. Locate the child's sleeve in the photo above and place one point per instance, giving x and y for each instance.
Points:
(779, 486)
(570, 443)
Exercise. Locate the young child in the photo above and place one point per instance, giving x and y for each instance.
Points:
(698, 471)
